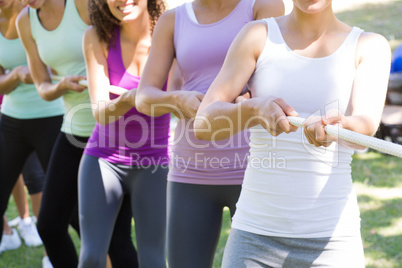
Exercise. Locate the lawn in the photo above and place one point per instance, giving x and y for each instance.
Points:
(377, 177)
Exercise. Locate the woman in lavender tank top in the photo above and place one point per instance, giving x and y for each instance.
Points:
(127, 153)
(203, 177)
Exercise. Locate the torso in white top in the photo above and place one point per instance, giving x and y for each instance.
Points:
(291, 188)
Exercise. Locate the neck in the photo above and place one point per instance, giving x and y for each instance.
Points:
(314, 24)
(51, 6)
(137, 29)
(215, 4)
(12, 11)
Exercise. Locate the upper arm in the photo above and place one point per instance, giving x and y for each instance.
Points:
(82, 7)
(268, 8)
(96, 65)
(37, 68)
(373, 60)
(161, 55)
(239, 64)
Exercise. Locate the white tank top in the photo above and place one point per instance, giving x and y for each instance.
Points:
(291, 188)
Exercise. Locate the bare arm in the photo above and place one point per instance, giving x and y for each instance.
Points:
(150, 99)
(40, 75)
(10, 81)
(368, 94)
(104, 110)
(268, 8)
(218, 112)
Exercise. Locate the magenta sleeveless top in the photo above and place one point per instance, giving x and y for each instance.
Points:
(135, 139)
(200, 52)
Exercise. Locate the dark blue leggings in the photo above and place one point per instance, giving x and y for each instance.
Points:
(194, 221)
(102, 186)
(59, 209)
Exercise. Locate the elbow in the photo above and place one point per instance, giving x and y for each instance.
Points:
(47, 97)
(142, 105)
(202, 130)
(99, 118)
(202, 136)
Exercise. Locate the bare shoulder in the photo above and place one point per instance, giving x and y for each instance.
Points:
(167, 19)
(251, 39)
(255, 30)
(90, 33)
(373, 45)
(268, 8)
(23, 17)
(92, 42)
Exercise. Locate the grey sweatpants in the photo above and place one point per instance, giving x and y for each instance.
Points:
(244, 249)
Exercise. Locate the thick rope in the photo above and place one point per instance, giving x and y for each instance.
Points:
(357, 138)
(58, 78)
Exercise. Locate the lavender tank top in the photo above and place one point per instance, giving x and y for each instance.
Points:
(200, 52)
(135, 139)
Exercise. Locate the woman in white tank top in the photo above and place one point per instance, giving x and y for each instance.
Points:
(298, 207)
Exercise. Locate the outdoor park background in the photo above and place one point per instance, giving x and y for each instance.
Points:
(377, 177)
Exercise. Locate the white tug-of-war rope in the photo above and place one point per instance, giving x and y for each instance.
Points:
(58, 78)
(357, 138)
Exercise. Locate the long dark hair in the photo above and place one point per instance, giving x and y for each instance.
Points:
(104, 22)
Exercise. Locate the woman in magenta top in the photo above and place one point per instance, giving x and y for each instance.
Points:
(204, 177)
(127, 153)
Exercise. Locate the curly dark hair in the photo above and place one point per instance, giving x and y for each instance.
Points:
(104, 22)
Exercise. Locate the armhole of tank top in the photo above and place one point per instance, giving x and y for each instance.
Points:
(252, 8)
(175, 27)
(72, 10)
(32, 22)
(253, 3)
(190, 12)
(264, 49)
(357, 33)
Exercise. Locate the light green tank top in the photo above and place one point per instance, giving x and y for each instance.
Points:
(61, 49)
(23, 102)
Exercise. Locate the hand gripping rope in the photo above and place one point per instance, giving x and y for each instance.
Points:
(357, 138)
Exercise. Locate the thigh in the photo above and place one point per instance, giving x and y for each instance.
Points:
(100, 198)
(194, 224)
(336, 252)
(122, 252)
(244, 249)
(42, 133)
(147, 188)
(60, 195)
(33, 174)
(230, 195)
(13, 154)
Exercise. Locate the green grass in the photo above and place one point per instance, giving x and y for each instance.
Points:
(378, 183)
(383, 18)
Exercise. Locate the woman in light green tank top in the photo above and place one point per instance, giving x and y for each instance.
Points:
(51, 31)
(28, 125)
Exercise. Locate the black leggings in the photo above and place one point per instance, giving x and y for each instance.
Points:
(60, 203)
(104, 184)
(194, 221)
(18, 139)
(34, 176)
